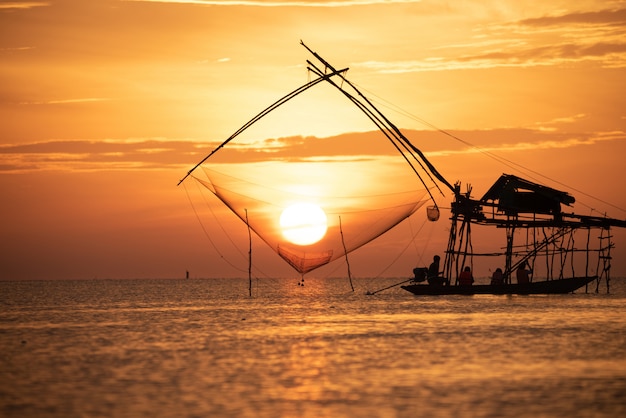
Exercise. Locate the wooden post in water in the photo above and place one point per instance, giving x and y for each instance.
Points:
(346, 254)
(249, 256)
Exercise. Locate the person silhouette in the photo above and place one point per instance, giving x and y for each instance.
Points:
(433, 273)
(497, 277)
(466, 278)
(523, 274)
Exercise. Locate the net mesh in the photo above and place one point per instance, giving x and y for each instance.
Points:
(359, 200)
(333, 182)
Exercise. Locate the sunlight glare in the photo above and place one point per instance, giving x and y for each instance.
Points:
(303, 223)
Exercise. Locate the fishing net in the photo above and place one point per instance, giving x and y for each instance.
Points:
(314, 199)
(316, 212)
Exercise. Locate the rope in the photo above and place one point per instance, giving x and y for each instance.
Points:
(411, 241)
(385, 126)
(264, 112)
(502, 160)
(208, 205)
(206, 233)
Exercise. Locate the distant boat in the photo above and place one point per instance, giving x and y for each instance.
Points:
(567, 250)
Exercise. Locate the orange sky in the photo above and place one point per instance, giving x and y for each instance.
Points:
(105, 105)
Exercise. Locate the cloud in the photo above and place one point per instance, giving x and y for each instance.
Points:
(601, 17)
(609, 55)
(17, 48)
(102, 155)
(286, 3)
(590, 37)
(23, 5)
(551, 125)
(558, 141)
(68, 101)
(606, 54)
(168, 154)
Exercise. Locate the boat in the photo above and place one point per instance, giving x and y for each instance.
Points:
(540, 235)
(550, 234)
(545, 287)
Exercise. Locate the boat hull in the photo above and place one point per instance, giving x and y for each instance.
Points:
(549, 287)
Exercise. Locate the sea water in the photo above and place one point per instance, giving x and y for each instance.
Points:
(206, 348)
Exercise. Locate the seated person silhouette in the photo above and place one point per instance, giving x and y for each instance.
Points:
(466, 278)
(433, 273)
(523, 274)
(498, 277)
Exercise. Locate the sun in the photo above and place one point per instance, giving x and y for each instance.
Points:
(303, 223)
